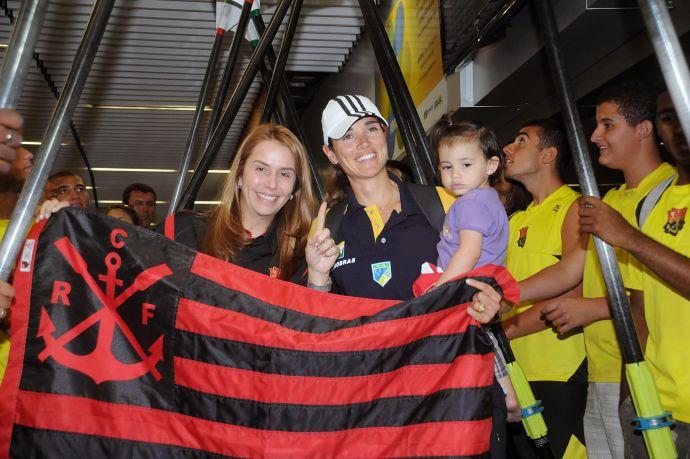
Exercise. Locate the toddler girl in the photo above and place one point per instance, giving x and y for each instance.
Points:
(475, 231)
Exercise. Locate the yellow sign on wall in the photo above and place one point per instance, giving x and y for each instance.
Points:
(413, 28)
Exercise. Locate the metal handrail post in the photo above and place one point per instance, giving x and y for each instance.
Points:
(406, 108)
(418, 171)
(20, 51)
(671, 59)
(50, 145)
(659, 440)
(238, 95)
(196, 122)
(292, 118)
(279, 66)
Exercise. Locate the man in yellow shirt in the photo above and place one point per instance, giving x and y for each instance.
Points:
(541, 236)
(625, 138)
(663, 306)
(15, 165)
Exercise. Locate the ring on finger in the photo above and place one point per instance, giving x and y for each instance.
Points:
(9, 137)
(3, 313)
(479, 307)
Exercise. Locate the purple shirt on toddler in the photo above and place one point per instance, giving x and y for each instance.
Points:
(478, 210)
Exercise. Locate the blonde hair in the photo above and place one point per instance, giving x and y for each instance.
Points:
(226, 235)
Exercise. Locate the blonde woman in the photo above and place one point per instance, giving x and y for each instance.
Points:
(266, 208)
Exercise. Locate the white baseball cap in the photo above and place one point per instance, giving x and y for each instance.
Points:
(342, 112)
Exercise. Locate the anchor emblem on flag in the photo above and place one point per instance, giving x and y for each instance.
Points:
(101, 364)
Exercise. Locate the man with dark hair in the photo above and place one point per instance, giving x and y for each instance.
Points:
(659, 272)
(669, 129)
(142, 198)
(67, 186)
(625, 137)
(551, 135)
(633, 99)
(540, 237)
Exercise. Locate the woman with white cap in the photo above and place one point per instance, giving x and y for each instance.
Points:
(385, 228)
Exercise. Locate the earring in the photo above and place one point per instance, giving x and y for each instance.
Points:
(291, 196)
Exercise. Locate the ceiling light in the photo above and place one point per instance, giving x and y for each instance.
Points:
(186, 108)
(116, 201)
(201, 203)
(38, 143)
(152, 171)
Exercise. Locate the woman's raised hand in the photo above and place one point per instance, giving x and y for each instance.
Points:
(321, 251)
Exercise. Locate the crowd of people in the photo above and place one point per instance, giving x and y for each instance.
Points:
(378, 232)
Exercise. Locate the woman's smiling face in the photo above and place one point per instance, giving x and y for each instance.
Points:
(267, 181)
(362, 152)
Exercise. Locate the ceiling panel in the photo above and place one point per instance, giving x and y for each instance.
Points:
(153, 57)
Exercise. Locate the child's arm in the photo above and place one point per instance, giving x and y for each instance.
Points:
(465, 258)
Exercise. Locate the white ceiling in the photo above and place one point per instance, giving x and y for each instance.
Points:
(154, 54)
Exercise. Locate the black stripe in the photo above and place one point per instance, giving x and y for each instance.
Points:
(207, 292)
(360, 103)
(35, 443)
(353, 104)
(357, 112)
(432, 350)
(449, 405)
(344, 107)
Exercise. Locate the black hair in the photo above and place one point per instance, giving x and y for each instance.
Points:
(445, 132)
(634, 99)
(551, 135)
(142, 187)
(401, 169)
(128, 209)
(63, 174)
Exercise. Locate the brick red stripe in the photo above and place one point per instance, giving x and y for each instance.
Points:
(19, 323)
(90, 417)
(286, 294)
(415, 380)
(222, 323)
(169, 227)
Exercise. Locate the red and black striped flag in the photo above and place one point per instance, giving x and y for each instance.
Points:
(126, 344)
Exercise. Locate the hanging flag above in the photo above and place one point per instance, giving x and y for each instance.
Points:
(125, 343)
(228, 15)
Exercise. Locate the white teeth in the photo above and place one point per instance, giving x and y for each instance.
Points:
(365, 157)
(267, 197)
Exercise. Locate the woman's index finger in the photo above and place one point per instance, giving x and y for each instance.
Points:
(321, 217)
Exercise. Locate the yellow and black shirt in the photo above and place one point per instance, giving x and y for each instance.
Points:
(667, 312)
(603, 354)
(535, 243)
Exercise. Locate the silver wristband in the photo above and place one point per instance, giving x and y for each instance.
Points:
(320, 288)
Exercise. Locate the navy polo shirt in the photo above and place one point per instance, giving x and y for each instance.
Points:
(382, 266)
